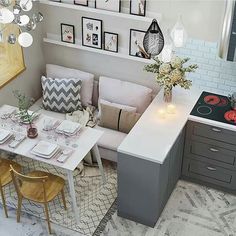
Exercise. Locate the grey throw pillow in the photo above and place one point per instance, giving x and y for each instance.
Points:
(61, 95)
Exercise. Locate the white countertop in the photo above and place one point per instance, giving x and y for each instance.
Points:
(153, 137)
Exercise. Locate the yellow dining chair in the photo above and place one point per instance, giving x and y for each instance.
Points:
(39, 187)
(5, 177)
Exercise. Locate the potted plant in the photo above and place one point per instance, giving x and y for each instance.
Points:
(171, 74)
(24, 104)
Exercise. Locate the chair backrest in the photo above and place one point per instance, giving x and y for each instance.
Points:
(19, 179)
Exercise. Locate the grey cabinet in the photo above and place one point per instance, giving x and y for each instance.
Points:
(210, 155)
(144, 187)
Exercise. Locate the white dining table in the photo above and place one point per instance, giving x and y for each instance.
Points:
(84, 142)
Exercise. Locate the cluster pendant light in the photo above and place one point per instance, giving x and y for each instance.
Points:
(14, 12)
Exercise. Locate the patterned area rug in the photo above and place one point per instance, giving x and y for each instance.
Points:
(93, 198)
(191, 210)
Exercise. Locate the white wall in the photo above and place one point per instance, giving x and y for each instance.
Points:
(29, 80)
(202, 19)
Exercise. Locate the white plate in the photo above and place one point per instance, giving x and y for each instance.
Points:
(68, 127)
(45, 156)
(45, 148)
(4, 134)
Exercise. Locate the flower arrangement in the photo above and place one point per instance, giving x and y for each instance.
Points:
(171, 74)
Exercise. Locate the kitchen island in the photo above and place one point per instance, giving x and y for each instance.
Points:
(151, 157)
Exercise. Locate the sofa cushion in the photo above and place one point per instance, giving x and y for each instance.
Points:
(120, 106)
(37, 106)
(61, 95)
(61, 72)
(128, 120)
(125, 93)
(118, 119)
(111, 139)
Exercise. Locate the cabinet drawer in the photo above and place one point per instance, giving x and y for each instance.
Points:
(212, 132)
(206, 172)
(219, 154)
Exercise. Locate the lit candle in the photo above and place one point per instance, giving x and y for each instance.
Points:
(171, 109)
(162, 113)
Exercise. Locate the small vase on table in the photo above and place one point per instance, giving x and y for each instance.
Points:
(167, 94)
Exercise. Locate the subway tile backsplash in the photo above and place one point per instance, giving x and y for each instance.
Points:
(214, 74)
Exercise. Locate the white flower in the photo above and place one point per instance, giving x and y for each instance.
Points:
(164, 69)
(176, 62)
(176, 75)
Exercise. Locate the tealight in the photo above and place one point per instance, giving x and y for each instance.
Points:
(171, 109)
(162, 113)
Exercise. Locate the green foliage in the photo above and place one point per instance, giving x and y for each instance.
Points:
(24, 103)
(172, 73)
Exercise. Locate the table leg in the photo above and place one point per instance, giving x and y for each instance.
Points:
(98, 157)
(73, 195)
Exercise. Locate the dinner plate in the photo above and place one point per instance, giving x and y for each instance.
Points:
(46, 156)
(4, 134)
(45, 148)
(68, 127)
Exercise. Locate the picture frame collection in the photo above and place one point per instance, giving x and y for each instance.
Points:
(137, 7)
(92, 37)
(92, 29)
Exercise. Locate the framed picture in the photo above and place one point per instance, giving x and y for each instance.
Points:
(136, 44)
(91, 32)
(67, 33)
(138, 7)
(110, 5)
(81, 2)
(110, 42)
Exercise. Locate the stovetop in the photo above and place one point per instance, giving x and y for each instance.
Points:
(214, 107)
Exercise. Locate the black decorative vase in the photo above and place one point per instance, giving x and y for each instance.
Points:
(153, 41)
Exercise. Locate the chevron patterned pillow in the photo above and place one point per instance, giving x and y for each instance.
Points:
(61, 95)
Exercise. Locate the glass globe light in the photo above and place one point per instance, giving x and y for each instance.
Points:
(6, 16)
(31, 25)
(26, 5)
(24, 20)
(16, 10)
(25, 39)
(11, 39)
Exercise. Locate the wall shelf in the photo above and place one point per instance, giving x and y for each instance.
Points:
(149, 18)
(55, 39)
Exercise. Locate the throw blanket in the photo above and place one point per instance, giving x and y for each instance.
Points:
(85, 117)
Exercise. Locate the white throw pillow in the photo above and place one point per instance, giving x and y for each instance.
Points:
(112, 104)
(61, 72)
(125, 93)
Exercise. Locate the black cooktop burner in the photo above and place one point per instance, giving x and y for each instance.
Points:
(214, 107)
